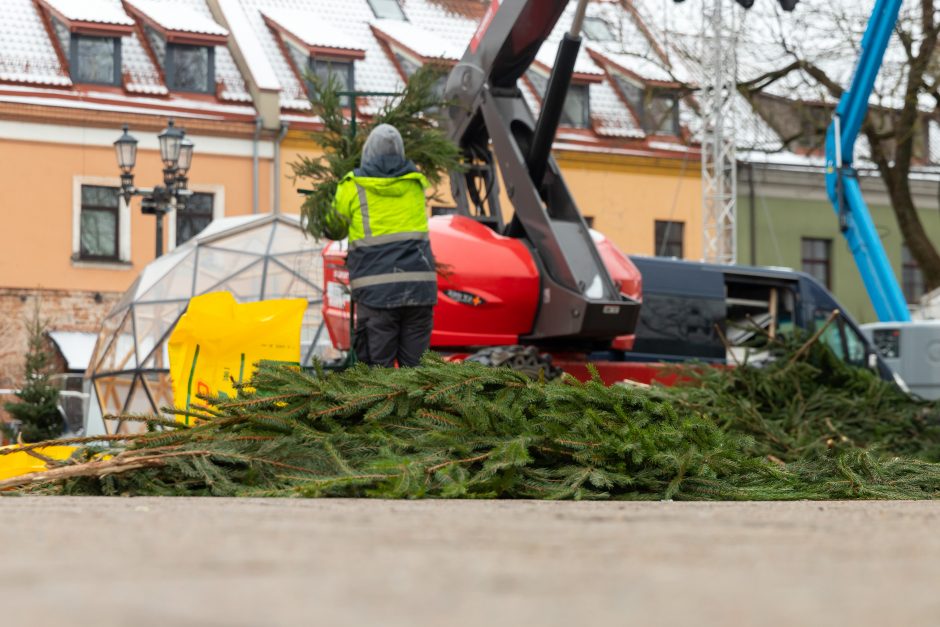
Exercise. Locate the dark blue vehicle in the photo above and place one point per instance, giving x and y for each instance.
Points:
(719, 314)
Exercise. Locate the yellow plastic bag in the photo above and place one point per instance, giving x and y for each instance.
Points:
(20, 463)
(218, 341)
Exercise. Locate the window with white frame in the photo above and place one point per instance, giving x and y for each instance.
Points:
(101, 222)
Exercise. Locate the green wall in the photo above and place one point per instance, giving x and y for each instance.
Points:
(787, 220)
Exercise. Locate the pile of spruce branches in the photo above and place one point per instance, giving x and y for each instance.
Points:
(804, 426)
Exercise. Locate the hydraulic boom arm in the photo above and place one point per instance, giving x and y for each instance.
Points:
(500, 138)
(842, 182)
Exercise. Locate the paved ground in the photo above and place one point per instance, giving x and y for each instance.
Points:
(208, 562)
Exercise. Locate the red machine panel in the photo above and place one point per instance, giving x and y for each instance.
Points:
(625, 276)
(488, 286)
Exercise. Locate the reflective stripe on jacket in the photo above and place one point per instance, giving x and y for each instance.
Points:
(390, 261)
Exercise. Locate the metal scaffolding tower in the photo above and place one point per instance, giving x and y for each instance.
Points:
(719, 171)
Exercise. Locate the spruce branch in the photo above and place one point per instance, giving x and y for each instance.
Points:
(415, 113)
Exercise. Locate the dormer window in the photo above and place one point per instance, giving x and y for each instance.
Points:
(387, 9)
(324, 67)
(185, 67)
(662, 112)
(656, 108)
(343, 72)
(95, 59)
(577, 110)
(183, 43)
(409, 65)
(190, 68)
(317, 48)
(412, 47)
(89, 35)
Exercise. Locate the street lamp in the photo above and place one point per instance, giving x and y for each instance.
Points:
(126, 149)
(176, 152)
(170, 140)
(184, 162)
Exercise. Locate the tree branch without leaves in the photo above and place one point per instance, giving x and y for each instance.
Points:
(892, 134)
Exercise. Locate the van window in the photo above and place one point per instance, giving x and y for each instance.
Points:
(842, 338)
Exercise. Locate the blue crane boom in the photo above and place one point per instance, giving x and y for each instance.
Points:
(842, 183)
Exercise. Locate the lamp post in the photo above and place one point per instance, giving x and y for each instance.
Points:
(176, 152)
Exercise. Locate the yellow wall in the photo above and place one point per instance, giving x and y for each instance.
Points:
(624, 194)
(295, 145)
(36, 204)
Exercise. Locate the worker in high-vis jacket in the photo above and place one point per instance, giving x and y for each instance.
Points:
(391, 268)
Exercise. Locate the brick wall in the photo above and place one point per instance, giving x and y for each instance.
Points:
(63, 310)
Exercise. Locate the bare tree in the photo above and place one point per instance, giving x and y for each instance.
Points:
(814, 50)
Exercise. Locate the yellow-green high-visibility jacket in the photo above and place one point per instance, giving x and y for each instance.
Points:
(389, 260)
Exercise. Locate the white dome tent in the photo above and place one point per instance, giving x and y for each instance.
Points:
(254, 257)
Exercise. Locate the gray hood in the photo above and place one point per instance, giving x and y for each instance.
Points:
(383, 155)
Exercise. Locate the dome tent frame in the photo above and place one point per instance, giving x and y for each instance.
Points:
(255, 257)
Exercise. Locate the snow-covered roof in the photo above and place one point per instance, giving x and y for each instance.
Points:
(259, 29)
(27, 54)
(655, 42)
(423, 42)
(96, 11)
(178, 17)
(75, 347)
(441, 30)
(256, 61)
(313, 30)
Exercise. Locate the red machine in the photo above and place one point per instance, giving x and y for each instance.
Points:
(543, 279)
(489, 298)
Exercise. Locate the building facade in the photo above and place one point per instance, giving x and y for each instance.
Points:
(786, 219)
(232, 74)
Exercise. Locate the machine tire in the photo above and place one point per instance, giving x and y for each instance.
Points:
(524, 359)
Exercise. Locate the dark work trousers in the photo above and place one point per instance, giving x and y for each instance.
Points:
(386, 335)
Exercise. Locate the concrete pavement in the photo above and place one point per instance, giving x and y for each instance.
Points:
(207, 562)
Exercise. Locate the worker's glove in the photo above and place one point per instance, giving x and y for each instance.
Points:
(335, 225)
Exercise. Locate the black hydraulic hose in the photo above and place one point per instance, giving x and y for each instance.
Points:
(553, 105)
